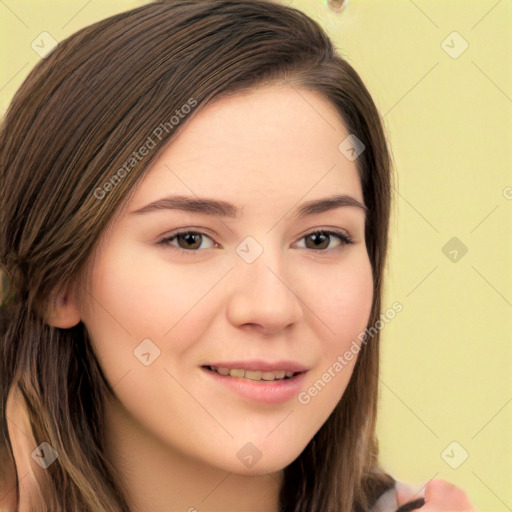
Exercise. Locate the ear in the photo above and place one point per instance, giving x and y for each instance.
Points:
(63, 311)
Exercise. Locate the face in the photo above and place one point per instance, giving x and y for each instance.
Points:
(179, 298)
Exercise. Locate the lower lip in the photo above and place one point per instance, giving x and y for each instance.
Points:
(267, 392)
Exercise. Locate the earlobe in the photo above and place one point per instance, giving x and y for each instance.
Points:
(63, 311)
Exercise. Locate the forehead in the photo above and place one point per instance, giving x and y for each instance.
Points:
(273, 143)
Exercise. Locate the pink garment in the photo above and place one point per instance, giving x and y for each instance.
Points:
(401, 493)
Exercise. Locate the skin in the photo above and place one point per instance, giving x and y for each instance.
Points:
(172, 432)
(440, 495)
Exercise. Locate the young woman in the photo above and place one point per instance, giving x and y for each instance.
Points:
(195, 205)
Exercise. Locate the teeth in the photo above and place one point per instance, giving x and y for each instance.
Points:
(253, 374)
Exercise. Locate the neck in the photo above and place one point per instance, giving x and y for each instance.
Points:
(160, 478)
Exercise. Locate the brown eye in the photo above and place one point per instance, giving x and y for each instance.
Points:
(187, 241)
(322, 240)
(190, 240)
(319, 241)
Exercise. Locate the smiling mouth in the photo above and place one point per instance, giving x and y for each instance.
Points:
(255, 375)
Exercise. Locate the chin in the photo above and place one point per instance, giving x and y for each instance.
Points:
(260, 468)
(271, 461)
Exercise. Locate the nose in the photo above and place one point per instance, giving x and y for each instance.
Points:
(263, 297)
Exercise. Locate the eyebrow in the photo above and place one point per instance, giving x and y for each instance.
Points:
(219, 208)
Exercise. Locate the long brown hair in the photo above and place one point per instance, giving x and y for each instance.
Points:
(70, 129)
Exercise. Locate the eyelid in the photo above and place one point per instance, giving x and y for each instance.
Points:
(329, 230)
(344, 236)
(182, 231)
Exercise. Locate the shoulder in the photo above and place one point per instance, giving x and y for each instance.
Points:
(392, 498)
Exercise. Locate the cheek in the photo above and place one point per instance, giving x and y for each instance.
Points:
(345, 308)
(354, 299)
(146, 295)
(345, 302)
(134, 297)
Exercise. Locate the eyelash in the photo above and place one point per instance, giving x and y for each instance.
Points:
(344, 239)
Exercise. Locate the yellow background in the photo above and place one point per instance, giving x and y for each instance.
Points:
(446, 367)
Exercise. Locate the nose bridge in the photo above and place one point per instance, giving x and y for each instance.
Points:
(266, 274)
(263, 293)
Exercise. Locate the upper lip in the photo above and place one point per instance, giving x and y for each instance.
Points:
(260, 364)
